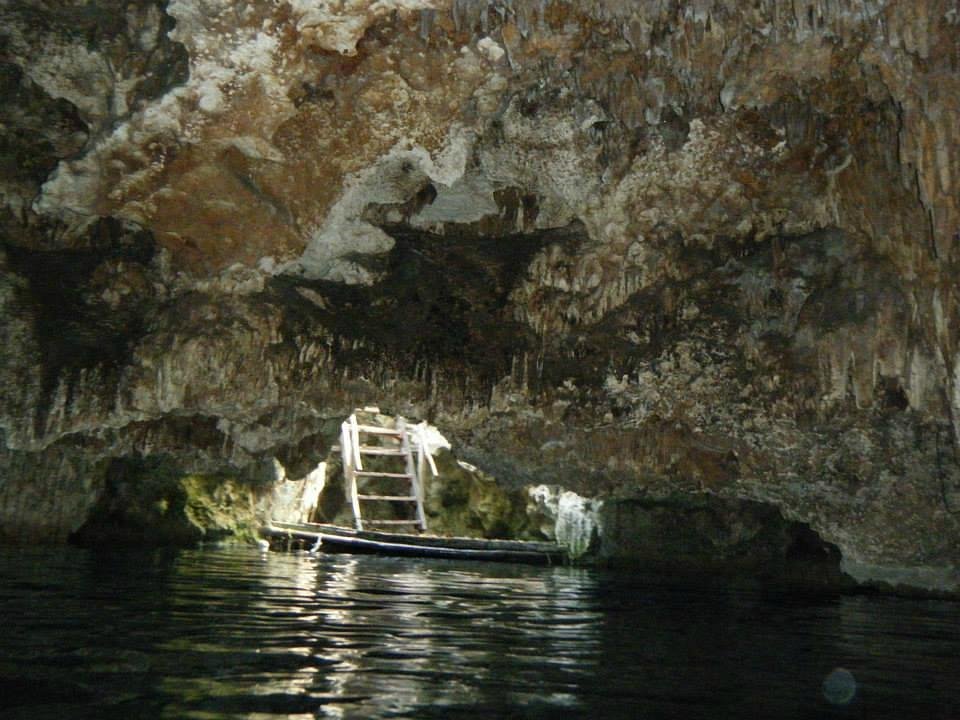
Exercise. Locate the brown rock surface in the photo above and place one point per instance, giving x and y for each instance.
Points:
(633, 249)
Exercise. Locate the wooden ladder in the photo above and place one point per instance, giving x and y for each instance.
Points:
(357, 441)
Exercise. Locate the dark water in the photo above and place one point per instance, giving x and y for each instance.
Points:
(216, 634)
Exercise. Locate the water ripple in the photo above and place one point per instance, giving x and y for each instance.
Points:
(237, 634)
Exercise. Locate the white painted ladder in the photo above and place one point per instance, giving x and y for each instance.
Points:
(400, 442)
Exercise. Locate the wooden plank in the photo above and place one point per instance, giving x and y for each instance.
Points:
(356, 543)
(425, 540)
(376, 473)
(411, 521)
(371, 450)
(392, 498)
(376, 430)
(403, 549)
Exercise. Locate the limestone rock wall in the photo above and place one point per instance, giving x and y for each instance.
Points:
(632, 249)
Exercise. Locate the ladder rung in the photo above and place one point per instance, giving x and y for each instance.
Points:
(374, 430)
(392, 498)
(374, 473)
(391, 522)
(371, 450)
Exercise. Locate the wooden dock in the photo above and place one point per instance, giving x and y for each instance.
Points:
(333, 538)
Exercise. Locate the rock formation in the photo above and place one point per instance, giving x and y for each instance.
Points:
(636, 250)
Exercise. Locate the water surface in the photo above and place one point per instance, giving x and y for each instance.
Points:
(240, 634)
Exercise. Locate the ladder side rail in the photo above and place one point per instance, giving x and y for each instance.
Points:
(412, 472)
(348, 452)
(355, 438)
(405, 446)
(418, 487)
(425, 451)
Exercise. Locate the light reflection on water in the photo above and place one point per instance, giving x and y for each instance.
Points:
(224, 634)
(399, 637)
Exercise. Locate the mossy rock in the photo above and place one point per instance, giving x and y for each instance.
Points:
(149, 501)
(222, 508)
(464, 501)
